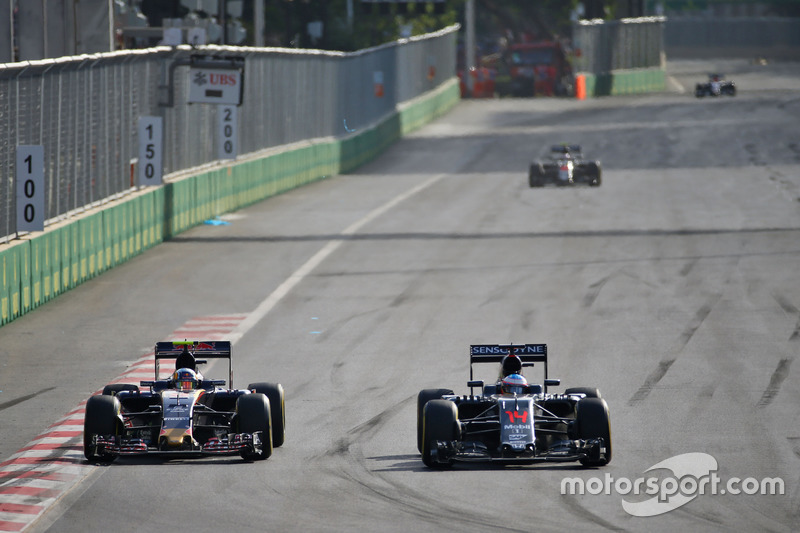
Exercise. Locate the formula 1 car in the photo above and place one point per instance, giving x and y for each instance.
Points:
(717, 85)
(186, 414)
(523, 424)
(565, 166)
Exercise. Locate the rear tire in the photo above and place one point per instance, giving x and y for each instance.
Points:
(254, 415)
(593, 422)
(113, 389)
(275, 395)
(101, 418)
(424, 396)
(590, 392)
(595, 173)
(439, 422)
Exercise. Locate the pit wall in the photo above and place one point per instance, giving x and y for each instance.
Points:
(40, 266)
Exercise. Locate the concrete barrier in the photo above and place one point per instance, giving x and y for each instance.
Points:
(619, 82)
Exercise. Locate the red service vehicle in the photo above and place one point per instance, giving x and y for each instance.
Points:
(534, 69)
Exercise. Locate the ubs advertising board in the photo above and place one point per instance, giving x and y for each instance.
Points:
(215, 85)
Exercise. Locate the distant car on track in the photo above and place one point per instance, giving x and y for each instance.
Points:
(185, 414)
(512, 422)
(717, 85)
(565, 166)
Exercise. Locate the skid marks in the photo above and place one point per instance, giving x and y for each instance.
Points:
(664, 365)
(775, 382)
(789, 309)
(345, 460)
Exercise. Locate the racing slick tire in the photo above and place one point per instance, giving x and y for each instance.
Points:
(274, 392)
(730, 90)
(590, 392)
(101, 418)
(593, 422)
(424, 396)
(439, 422)
(699, 90)
(595, 173)
(535, 175)
(114, 388)
(254, 415)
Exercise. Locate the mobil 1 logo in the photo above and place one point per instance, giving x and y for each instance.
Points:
(228, 127)
(150, 151)
(30, 188)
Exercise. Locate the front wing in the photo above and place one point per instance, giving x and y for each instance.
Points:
(447, 452)
(233, 444)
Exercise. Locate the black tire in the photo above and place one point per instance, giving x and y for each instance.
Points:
(590, 392)
(535, 173)
(595, 173)
(274, 392)
(699, 91)
(439, 422)
(424, 396)
(731, 90)
(113, 389)
(254, 415)
(101, 418)
(593, 422)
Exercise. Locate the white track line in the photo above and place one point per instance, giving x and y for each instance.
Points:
(331, 246)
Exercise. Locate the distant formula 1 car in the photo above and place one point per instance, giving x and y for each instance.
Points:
(717, 85)
(185, 414)
(565, 166)
(512, 422)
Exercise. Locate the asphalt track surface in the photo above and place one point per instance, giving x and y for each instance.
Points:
(674, 288)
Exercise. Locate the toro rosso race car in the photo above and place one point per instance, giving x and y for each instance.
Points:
(512, 421)
(565, 166)
(185, 414)
(717, 85)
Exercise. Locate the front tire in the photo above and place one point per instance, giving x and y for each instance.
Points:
(254, 416)
(101, 418)
(535, 173)
(595, 173)
(593, 422)
(440, 422)
(275, 395)
(424, 396)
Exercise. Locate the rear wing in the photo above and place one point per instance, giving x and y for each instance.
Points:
(494, 353)
(200, 350)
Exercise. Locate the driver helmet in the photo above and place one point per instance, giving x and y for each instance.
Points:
(185, 379)
(511, 364)
(514, 384)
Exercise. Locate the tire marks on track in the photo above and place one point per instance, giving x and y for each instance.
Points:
(350, 464)
(663, 366)
(40, 473)
(789, 309)
(775, 382)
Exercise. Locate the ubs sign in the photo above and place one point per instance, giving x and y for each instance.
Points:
(215, 86)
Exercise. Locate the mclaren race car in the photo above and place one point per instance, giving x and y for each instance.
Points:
(565, 166)
(512, 421)
(185, 414)
(717, 85)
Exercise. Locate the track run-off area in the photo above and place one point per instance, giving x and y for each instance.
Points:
(673, 287)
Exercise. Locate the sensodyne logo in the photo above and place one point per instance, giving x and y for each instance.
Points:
(693, 474)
